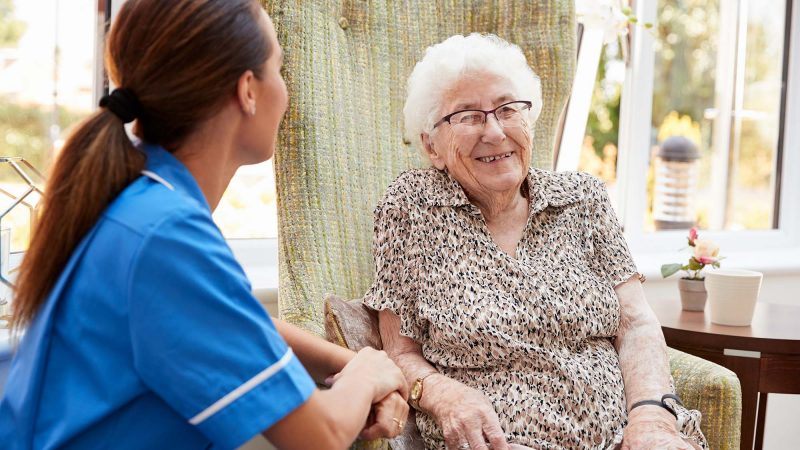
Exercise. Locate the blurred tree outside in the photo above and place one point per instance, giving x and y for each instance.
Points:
(10, 28)
(599, 151)
(24, 129)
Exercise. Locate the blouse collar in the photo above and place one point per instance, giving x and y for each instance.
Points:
(545, 188)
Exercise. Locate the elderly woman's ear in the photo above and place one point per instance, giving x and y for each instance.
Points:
(437, 159)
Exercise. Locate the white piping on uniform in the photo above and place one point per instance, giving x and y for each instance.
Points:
(246, 387)
(157, 178)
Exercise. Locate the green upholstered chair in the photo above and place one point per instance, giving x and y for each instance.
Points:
(341, 144)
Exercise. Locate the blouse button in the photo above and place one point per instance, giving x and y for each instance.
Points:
(344, 23)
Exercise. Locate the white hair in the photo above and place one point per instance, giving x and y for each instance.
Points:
(445, 63)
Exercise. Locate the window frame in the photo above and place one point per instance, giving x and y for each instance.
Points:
(776, 249)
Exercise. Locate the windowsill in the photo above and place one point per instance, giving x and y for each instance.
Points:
(259, 258)
(264, 281)
(772, 262)
(783, 262)
(262, 270)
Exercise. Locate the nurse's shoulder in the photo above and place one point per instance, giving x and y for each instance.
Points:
(146, 204)
(165, 191)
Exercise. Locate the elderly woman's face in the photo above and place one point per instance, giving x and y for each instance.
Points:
(495, 158)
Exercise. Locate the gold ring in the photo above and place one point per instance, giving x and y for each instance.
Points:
(399, 423)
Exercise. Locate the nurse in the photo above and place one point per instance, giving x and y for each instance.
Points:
(140, 329)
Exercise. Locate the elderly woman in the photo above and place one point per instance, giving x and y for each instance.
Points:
(507, 294)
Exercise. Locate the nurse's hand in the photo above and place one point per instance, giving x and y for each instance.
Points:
(374, 370)
(387, 418)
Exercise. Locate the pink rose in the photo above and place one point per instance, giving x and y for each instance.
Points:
(706, 260)
(692, 235)
(705, 251)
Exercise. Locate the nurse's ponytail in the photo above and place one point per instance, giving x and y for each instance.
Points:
(176, 62)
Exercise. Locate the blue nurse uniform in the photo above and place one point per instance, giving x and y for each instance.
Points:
(151, 337)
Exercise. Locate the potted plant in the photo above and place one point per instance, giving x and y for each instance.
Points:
(692, 286)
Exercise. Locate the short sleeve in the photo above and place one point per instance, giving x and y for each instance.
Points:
(202, 342)
(395, 287)
(611, 259)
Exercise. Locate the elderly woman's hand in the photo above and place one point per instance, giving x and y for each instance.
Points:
(465, 415)
(651, 428)
(387, 418)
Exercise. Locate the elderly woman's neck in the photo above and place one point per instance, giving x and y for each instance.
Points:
(500, 206)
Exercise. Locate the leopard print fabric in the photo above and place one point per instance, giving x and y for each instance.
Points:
(534, 333)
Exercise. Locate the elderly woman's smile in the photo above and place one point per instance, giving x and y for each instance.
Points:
(493, 158)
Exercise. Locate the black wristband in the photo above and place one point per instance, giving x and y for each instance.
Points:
(672, 396)
(660, 403)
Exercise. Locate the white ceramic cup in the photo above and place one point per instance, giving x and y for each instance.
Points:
(732, 295)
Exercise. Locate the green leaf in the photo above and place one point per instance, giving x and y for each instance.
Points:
(695, 264)
(667, 270)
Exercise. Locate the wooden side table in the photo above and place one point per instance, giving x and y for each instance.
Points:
(765, 356)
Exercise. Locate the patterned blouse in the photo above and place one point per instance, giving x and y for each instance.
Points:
(534, 333)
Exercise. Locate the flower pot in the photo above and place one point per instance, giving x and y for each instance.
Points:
(732, 295)
(693, 294)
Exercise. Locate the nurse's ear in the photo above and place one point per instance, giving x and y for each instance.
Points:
(246, 93)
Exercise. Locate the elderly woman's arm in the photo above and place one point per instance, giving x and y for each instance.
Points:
(465, 414)
(645, 371)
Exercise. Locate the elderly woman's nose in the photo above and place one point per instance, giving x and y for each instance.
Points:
(492, 131)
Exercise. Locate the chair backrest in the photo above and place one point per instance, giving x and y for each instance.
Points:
(341, 143)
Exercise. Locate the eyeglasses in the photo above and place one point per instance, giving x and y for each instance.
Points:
(471, 121)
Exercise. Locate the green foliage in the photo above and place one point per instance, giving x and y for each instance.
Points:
(24, 131)
(10, 29)
(686, 51)
(668, 270)
(603, 122)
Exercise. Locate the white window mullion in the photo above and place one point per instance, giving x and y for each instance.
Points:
(789, 214)
(724, 88)
(580, 101)
(636, 109)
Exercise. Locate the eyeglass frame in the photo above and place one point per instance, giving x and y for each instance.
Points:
(485, 113)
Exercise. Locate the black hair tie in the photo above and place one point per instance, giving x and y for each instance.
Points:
(123, 103)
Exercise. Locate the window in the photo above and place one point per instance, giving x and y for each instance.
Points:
(721, 75)
(51, 60)
(248, 210)
(718, 81)
(51, 77)
(599, 148)
(47, 84)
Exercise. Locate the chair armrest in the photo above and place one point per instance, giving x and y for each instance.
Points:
(715, 392)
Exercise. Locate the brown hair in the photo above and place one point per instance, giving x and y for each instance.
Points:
(182, 60)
